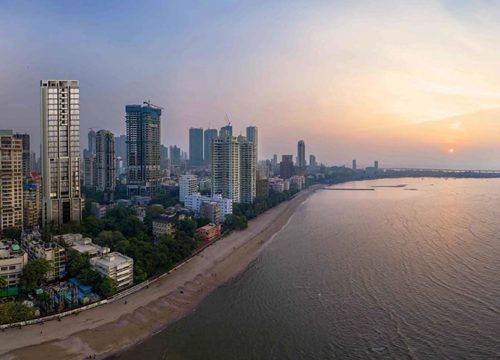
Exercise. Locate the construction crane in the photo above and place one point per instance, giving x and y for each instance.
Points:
(228, 121)
(148, 103)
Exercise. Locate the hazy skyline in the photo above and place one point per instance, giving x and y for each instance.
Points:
(401, 83)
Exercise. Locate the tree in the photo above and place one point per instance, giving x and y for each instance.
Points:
(35, 274)
(11, 312)
(107, 287)
(12, 233)
(77, 263)
(3, 283)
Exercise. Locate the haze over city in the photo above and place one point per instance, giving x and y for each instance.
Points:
(401, 83)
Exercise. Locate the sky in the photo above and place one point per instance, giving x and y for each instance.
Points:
(398, 82)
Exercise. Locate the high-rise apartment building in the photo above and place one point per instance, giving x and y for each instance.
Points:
(60, 117)
(196, 146)
(89, 171)
(312, 161)
(248, 171)
(105, 163)
(301, 154)
(121, 147)
(226, 131)
(32, 201)
(11, 181)
(175, 155)
(92, 141)
(286, 166)
(143, 149)
(226, 167)
(188, 184)
(354, 166)
(253, 136)
(210, 134)
(25, 139)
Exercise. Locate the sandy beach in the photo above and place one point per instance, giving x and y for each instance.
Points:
(113, 327)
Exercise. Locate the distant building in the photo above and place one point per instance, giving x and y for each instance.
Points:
(248, 171)
(253, 137)
(25, 140)
(51, 251)
(11, 181)
(211, 210)
(226, 131)
(121, 148)
(164, 163)
(210, 135)
(188, 184)
(195, 200)
(354, 165)
(89, 170)
(301, 154)
(278, 184)
(117, 267)
(32, 201)
(297, 182)
(12, 261)
(312, 161)
(375, 165)
(175, 155)
(100, 210)
(164, 225)
(196, 146)
(208, 232)
(286, 166)
(60, 118)
(262, 188)
(143, 149)
(105, 163)
(92, 142)
(226, 168)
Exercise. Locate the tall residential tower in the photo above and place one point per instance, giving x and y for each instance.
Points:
(60, 117)
(143, 149)
(105, 163)
(196, 146)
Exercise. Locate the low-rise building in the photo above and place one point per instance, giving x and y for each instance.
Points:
(195, 200)
(208, 232)
(100, 210)
(51, 251)
(12, 261)
(279, 185)
(83, 245)
(210, 210)
(117, 267)
(297, 182)
(164, 225)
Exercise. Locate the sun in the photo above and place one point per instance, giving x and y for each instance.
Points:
(451, 150)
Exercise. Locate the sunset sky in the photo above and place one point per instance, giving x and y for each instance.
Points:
(398, 81)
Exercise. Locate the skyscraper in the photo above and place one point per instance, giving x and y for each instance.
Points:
(301, 154)
(175, 155)
(60, 117)
(286, 166)
(188, 184)
(25, 139)
(89, 170)
(105, 163)
(121, 147)
(143, 149)
(226, 167)
(92, 141)
(11, 181)
(253, 137)
(210, 134)
(354, 166)
(196, 146)
(312, 161)
(248, 171)
(226, 131)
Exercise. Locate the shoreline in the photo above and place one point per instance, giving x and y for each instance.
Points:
(112, 328)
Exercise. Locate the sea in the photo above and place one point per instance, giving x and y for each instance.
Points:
(385, 269)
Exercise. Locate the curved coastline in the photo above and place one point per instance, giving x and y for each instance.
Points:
(111, 328)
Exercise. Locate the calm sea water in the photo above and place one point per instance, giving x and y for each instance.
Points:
(391, 273)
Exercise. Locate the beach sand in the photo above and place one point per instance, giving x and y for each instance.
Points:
(113, 327)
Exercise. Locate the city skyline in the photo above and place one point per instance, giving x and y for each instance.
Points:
(398, 101)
